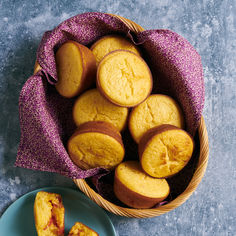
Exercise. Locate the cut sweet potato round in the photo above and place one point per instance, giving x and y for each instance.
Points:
(111, 43)
(156, 110)
(96, 144)
(124, 78)
(92, 106)
(136, 188)
(165, 150)
(76, 69)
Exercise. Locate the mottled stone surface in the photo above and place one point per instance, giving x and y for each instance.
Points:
(210, 26)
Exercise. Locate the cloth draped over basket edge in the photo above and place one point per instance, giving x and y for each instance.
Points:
(46, 118)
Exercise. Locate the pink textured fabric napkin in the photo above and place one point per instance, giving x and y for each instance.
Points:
(46, 117)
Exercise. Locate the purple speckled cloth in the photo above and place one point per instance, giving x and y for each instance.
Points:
(46, 117)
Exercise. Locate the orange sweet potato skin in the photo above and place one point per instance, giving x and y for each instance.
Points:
(146, 138)
(133, 199)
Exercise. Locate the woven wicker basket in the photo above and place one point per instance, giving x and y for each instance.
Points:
(145, 213)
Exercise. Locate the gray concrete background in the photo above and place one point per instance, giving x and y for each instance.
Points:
(210, 26)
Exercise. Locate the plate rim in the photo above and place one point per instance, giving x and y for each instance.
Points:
(75, 191)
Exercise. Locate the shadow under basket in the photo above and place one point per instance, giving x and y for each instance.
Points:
(187, 180)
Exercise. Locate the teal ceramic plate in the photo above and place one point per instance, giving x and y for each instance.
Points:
(18, 219)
